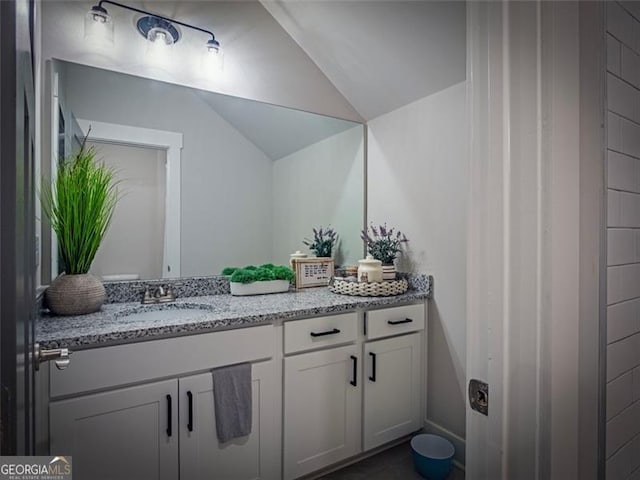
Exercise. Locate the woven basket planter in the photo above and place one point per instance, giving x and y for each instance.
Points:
(75, 295)
(375, 289)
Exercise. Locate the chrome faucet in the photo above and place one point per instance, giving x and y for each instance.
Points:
(161, 294)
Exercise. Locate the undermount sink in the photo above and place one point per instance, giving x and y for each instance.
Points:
(165, 312)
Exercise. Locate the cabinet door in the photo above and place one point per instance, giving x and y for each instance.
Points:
(392, 389)
(322, 413)
(256, 456)
(124, 434)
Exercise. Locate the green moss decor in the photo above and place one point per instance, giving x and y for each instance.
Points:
(263, 273)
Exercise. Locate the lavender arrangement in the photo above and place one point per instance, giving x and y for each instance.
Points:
(323, 241)
(383, 243)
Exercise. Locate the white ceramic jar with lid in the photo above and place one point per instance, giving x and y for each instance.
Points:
(369, 270)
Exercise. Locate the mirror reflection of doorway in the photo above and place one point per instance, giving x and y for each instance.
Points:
(133, 246)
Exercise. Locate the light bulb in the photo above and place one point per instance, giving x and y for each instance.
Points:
(160, 36)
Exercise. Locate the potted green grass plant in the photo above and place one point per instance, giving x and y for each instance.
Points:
(79, 205)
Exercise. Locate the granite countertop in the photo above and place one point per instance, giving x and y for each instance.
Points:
(111, 325)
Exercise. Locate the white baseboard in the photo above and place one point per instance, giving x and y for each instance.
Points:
(458, 442)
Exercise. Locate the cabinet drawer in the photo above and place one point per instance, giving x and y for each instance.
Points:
(301, 335)
(393, 321)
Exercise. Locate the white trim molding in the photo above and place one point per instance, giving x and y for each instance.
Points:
(535, 224)
(172, 143)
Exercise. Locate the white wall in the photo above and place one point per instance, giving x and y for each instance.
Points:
(623, 241)
(226, 180)
(320, 185)
(417, 182)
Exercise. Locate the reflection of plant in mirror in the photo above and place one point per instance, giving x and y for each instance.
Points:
(80, 205)
(382, 243)
(323, 241)
(263, 273)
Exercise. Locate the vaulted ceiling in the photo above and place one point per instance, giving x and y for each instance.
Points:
(380, 54)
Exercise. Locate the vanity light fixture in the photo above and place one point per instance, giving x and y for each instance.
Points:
(153, 27)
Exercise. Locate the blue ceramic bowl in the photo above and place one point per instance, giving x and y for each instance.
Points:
(432, 456)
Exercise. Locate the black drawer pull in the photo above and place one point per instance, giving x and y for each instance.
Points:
(354, 382)
(398, 322)
(328, 332)
(169, 416)
(372, 377)
(190, 421)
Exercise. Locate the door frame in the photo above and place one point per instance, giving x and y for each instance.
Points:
(17, 227)
(535, 238)
(158, 139)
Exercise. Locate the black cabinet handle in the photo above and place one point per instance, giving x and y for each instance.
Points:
(398, 322)
(169, 416)
(354, 382)
(328, 332)
(372, 377)
(190, 421)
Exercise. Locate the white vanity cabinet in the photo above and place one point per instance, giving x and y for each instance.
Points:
(145, 432)
(341, 400)
(325, 389)
(322, 392)
(393, 374)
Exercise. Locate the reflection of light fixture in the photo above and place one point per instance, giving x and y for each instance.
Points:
(154, 28)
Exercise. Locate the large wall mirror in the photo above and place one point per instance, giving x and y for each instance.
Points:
(209, 180)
